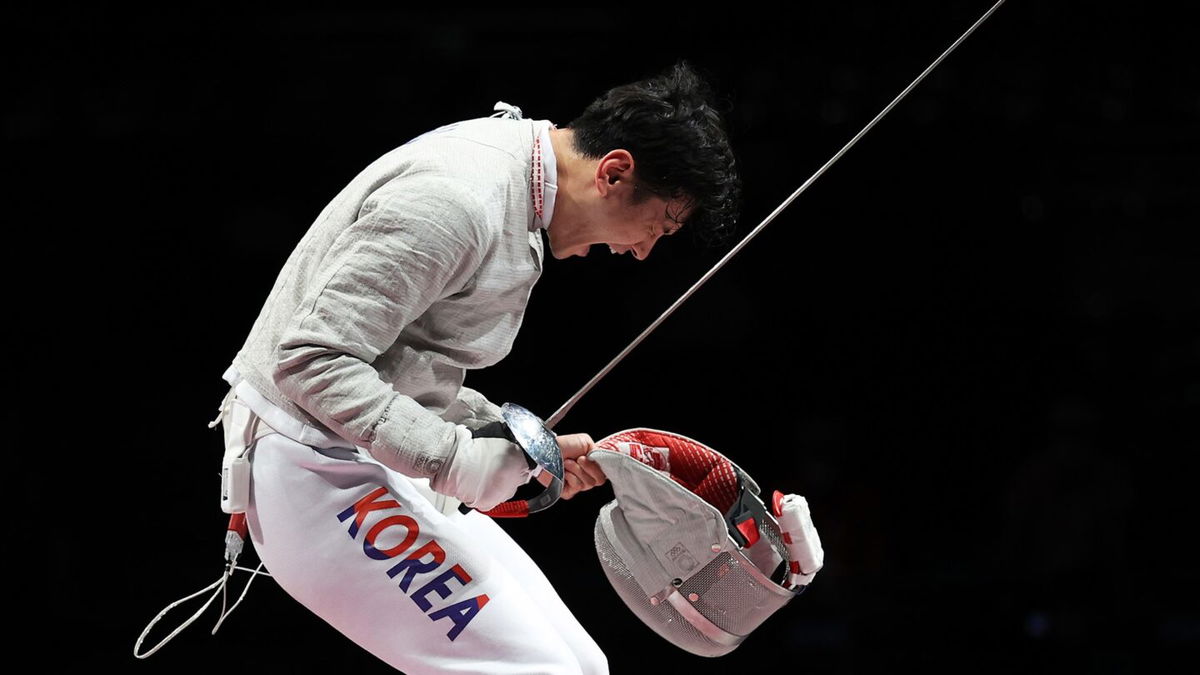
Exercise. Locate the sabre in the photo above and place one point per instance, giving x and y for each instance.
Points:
(535, 436)
(566, 407)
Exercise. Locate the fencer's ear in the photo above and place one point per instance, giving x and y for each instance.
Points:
(613, 168)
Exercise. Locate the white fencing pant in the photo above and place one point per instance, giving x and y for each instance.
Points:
(428, 592)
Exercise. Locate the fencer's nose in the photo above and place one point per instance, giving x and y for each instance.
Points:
(641, 250)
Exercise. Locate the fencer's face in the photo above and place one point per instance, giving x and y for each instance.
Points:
(640, 226)
(609, 209)
(599, 203)
(620, 224)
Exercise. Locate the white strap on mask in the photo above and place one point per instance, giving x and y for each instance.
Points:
(802, 541)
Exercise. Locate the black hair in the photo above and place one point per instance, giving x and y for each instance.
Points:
(678, 141)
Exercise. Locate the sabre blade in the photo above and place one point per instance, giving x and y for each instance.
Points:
(566, 407)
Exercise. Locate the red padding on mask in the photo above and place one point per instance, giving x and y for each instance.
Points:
(749, 530)
(692, 465)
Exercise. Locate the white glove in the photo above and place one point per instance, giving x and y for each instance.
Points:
(482, 472)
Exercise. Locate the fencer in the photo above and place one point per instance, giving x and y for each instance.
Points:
(350, 385)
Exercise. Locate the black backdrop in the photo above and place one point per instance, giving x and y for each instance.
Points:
(972, 344)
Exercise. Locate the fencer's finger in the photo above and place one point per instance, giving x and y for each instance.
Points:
(593, 470)
(572, 483)
(575, 445)
(587, 478)
(584, 478)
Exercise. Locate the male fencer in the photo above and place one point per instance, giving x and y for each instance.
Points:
(349, 389)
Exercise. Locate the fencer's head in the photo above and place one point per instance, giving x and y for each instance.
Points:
(655, 160)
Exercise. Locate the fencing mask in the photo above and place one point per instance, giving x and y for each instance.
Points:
(690, 547)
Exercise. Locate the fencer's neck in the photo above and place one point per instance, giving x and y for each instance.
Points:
(569, 166)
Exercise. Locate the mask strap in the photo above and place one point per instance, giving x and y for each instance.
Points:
(806, 557)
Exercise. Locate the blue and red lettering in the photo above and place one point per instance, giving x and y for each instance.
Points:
(365, 505)
(438, 585)
(413, 565)
(424, 560)
(460, 613)
(409, 537)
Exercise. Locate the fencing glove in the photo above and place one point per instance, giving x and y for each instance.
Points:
(482, 472)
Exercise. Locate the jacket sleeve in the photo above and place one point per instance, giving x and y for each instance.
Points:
(473, 410)
(406, 250)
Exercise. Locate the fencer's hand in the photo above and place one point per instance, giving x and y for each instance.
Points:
(580, 472)
(483, 472)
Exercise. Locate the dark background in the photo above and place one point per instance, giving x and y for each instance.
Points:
(972, 344)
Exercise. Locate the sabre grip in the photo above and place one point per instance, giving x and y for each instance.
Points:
(497, 429)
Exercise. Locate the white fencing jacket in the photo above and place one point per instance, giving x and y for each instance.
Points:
(419, 269)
